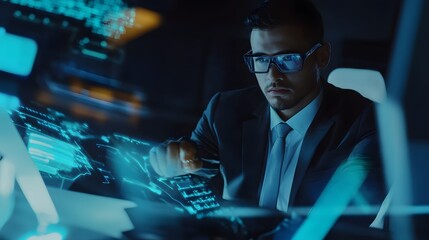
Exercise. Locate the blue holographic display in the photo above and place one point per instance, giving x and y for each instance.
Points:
(53, 145)
(66, 152)
(71, 155)
(54, 156)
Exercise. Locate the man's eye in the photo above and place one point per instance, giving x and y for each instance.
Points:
(261, 60)
(286, 58)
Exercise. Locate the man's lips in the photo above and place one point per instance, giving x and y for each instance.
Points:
(278, 91)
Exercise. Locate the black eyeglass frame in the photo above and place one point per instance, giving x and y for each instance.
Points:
(249, 62)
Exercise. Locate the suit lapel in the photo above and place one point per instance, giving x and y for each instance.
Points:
(254, 138)
(317, 131)
(311, 140)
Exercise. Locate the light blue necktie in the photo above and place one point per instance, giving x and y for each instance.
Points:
(271, 184)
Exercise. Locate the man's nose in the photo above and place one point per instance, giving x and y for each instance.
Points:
(274, 73)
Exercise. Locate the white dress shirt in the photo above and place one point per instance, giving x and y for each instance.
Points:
(299, 123)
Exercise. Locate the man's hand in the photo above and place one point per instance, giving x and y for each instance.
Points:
(173, 158)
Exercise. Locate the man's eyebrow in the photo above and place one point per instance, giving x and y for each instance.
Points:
(277, 53)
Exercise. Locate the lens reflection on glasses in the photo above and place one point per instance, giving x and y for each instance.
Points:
(286, 63)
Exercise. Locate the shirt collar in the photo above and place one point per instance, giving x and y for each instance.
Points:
(301, 121)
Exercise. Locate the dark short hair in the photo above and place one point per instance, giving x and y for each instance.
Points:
(273, 13)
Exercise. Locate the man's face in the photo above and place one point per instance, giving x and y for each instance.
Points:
(287, 93)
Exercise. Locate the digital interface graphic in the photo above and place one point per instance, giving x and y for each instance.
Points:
(67, 152)
(107, 18)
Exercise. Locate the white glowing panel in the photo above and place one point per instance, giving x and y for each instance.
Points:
(7, 184)
(27, 175)
(17, 54)
(368, 83)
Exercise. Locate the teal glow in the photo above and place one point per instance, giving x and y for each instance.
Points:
(46, 21)
(75, 129)
(53, 232)
(95, 54)
(105, 139)
(49, 236)
(334, 199)
(9, 102)
(17, 53)
(190, 210)
(55, 157)
(153, 188)
(179, 209)
(131, 140)
(196, 193)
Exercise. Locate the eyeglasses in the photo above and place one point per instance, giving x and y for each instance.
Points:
(285, 63)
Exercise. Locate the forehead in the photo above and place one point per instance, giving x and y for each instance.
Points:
(274, 40)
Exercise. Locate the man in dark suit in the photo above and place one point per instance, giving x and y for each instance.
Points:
(327, 126)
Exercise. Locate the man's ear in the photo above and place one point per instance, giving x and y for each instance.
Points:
(323, 55)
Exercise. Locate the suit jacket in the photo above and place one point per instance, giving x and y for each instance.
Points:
(232, 135)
